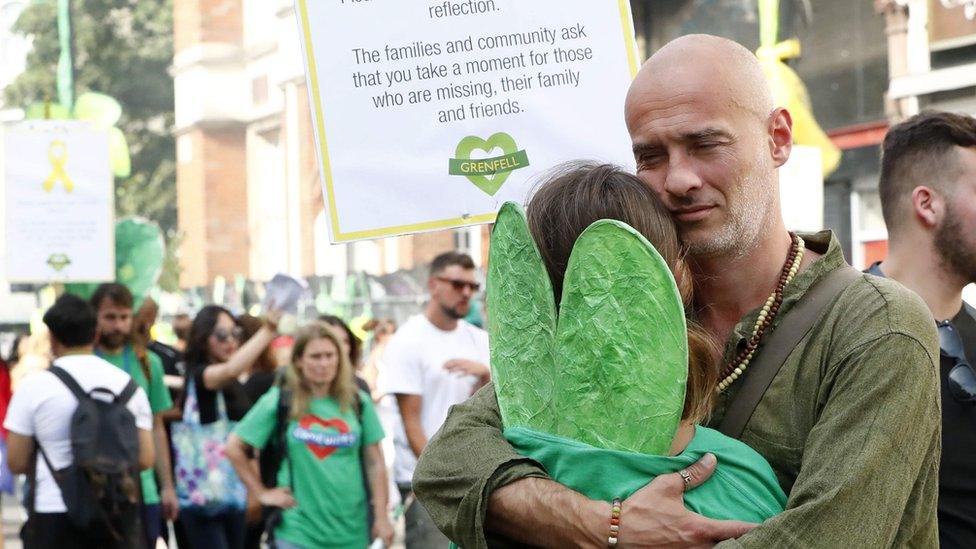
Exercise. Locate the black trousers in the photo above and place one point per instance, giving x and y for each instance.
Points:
(55, 531)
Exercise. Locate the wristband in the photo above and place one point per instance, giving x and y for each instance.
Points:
(614, 523)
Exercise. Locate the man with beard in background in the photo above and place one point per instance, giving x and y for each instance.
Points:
(928, 198)
(434, 361)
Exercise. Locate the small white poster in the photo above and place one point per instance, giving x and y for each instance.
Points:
(58, 204)
(431, 114)
(801, 190)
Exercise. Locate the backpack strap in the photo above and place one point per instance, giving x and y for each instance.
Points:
(128, 392)
(281, 431)
(794, 325)
(68, 381)
(358, 407)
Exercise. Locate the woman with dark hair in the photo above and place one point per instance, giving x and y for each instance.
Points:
(353, 347)
(215, 359)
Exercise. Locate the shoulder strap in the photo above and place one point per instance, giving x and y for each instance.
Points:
(281, 430)
(796, 324)
(128, 392)
(69, 382)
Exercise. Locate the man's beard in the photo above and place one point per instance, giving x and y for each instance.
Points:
(453, 312)
(113, 340)
(741, 231)
(956, 247)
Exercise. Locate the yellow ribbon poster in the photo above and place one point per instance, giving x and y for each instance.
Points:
(57, 154)
(59, 203)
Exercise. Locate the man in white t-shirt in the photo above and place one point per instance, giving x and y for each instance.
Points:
(41, 409)
(434, 361)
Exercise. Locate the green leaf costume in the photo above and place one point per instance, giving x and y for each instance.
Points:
(595, 392)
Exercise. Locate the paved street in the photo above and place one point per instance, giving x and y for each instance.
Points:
(13, 518)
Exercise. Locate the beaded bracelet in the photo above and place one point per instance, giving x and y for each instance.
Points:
(614, 522)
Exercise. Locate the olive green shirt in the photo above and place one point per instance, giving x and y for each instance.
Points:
(851, 425)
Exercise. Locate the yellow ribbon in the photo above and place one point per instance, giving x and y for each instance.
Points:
(57, 155)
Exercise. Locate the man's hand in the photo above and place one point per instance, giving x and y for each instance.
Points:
(468, 367)
(383, 530)
(277, 497)
(169, 503)
(655, 515)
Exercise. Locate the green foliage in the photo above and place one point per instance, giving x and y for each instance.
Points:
(123, 48)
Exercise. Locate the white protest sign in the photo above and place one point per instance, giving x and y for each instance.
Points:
(801, 189)
(59, 203)
(430, 115)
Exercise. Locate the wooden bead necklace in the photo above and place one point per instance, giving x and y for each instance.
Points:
(769, 310)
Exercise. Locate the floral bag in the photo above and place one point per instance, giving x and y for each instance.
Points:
(205, 479)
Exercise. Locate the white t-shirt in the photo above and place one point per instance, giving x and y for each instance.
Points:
(42, 408)
(413, 364)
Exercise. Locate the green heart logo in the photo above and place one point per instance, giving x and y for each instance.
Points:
(58, 261)
(488, 174)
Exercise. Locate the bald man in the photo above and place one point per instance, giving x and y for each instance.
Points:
(851, 421)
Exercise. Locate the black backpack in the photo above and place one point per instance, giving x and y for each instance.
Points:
(101, 487)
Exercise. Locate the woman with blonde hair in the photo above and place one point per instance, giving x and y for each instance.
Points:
(329, 435)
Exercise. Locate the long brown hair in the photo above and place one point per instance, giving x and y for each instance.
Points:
(343, 387)
(576, 194)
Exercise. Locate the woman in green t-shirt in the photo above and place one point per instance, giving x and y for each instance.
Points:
(332, 436)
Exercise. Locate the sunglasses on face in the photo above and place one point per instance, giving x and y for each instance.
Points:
(962, 378)
(460, 285)
(223, 334)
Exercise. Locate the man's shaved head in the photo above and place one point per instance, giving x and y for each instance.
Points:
(708, 138)
(710, 64)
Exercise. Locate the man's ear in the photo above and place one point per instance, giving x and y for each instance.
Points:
(780, 135)
(928, 206)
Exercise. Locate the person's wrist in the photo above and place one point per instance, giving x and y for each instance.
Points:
(592, 524)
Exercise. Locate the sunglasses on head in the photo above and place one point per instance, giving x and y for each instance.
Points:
(223, 334)
(962, 378)
(459, 285)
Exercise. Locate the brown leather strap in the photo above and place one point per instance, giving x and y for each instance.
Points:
(794, 325)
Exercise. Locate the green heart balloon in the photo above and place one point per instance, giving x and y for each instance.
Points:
(139, 254)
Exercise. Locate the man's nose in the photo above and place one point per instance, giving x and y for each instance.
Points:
(681, 179)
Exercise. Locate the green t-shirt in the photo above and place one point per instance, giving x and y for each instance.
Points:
(743, 487)
(324, 449)
(159, 400)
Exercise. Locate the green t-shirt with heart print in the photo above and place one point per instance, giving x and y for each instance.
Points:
(325, 452)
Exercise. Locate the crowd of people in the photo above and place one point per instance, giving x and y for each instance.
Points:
(856, 432)
(312, 440)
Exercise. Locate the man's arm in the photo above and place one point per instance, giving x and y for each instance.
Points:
(147, 457)
(20, 448)
(167, 493)
(410, 414)
(473, 482)
(876, 436)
